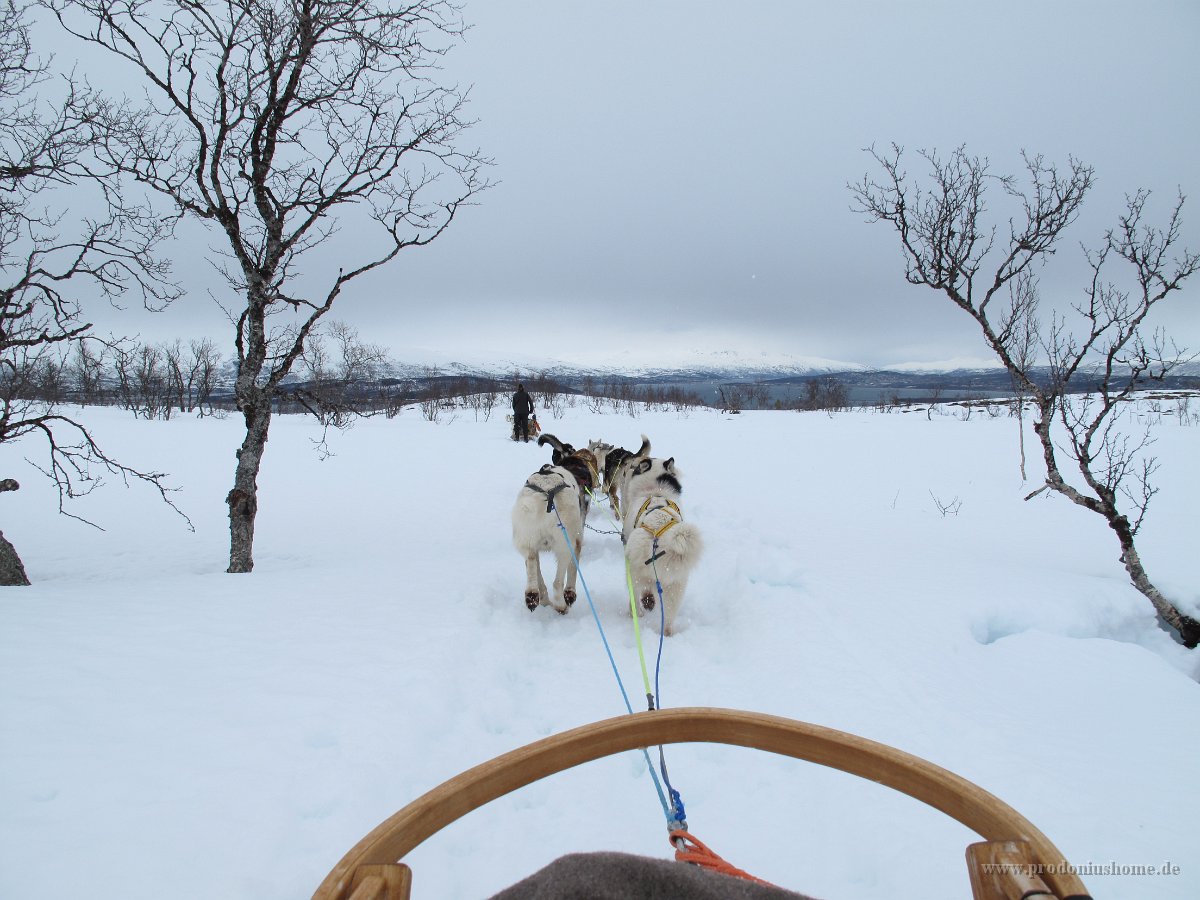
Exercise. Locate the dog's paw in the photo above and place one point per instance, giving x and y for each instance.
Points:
(532, 600)
(647, 601)
(562, 610)
(568, 598)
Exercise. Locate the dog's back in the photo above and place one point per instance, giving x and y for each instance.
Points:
(548, 496)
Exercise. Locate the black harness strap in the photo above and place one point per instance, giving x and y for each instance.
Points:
(549, 494)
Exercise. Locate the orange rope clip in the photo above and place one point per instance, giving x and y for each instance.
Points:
(690, 850)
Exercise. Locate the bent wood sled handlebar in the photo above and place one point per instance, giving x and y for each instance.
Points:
(1014, 860)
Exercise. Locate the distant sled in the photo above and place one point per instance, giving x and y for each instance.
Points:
(1015, 860)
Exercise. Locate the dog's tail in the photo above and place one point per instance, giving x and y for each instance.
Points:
(643, 450)
(682, 542)
(560, 449)
(547, 438)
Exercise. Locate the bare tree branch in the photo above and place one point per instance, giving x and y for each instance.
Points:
(49, 254)
(276, 122)
(1106, 349)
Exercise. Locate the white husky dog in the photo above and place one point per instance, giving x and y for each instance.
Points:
(553, 494)
(660, 547)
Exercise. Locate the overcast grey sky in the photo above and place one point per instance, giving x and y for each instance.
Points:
(676, 170)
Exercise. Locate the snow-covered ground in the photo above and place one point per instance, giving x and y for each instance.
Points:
(170, 730)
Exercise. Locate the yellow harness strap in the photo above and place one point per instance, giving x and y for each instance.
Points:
(671, 508)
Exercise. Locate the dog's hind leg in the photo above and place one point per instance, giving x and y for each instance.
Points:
(644, 586)
(535, 587)
(613, 501)
(565, 567)
(672, 598)
(646, 598)
(569, 595)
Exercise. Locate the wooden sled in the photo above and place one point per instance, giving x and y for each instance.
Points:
(1014, 860)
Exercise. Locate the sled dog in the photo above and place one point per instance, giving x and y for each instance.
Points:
(660, 547)
(580, 463)
(557, 492)
(611, 462)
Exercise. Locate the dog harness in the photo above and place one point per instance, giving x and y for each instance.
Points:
(669, 506)
(548, 494)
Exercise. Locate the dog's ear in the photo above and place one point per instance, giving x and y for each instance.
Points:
(669, 464)
(642, 468)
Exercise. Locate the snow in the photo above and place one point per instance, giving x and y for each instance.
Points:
(166, 728)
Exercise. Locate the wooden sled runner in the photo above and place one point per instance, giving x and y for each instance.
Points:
(1013, 861)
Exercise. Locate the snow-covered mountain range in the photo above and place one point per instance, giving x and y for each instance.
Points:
(692, 366)
(678, 363)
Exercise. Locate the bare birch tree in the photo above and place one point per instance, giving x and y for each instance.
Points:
(341, 373)
(203, 363)
(1106, 348)
(273, 122)
(50, 256)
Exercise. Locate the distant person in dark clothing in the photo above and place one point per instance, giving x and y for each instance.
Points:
(522, 407)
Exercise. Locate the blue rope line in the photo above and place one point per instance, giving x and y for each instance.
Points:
(677, 809)
(662, 624)
(662, 798)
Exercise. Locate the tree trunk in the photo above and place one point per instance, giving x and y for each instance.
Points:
(1188, 628)
(12, 572)
(1021, 433)
(243, 499)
